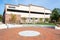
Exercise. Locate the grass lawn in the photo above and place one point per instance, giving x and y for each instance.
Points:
(47, 24)
(43, 24)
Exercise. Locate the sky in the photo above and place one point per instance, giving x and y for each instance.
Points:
(50, 4)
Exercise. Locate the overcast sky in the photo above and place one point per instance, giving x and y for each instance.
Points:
(50, 4)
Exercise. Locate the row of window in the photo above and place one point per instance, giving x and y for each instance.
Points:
(26, 11)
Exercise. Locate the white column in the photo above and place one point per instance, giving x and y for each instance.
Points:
(29, 15)
(29, 12)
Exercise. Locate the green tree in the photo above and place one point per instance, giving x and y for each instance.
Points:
(55, 15)
(1, 17)
(46, 19)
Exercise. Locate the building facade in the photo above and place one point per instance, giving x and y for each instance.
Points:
(26, 14)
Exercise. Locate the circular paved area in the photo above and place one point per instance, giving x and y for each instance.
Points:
(46, 34)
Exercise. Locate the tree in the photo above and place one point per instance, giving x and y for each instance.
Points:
(46, 20)
(33, 20)
(1, 17)
(13, 18)
(40, 20)
(24, 19)
(55, 15)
